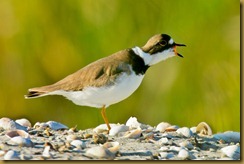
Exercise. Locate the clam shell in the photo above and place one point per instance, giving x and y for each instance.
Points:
(135, 133)
(20, 138)
(8, 124)
(117, 129)
(232, 151)
(71, 137)
(102, 128)
(56, 125)
(113, 147)
(11, 155)
(162, 126)
(100, 152)
(185, 132)
(133, 123)
(39, 125)
(172, 128)
(228, 136)
(24, 122)
(78, 144)
(203, 129)
(186, 144)
(15, 133)
(26, 142)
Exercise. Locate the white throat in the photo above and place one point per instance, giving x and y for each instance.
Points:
(155, 58)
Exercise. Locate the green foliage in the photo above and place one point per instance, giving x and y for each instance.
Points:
(43, 41)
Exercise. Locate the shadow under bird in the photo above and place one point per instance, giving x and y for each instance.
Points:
(111, 79)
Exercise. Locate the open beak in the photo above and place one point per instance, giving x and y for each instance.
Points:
(175, 45)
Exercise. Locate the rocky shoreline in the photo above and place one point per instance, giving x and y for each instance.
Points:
(19, 140)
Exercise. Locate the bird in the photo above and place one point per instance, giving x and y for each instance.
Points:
(111, 79)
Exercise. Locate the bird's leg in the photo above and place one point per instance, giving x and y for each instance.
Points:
(103, 112)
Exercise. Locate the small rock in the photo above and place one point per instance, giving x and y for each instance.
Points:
(100, 152)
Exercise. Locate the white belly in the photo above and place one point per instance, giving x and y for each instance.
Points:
(107, 95)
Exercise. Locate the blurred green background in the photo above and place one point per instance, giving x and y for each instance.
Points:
(43, 41)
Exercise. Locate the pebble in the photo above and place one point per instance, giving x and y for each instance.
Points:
(185, 132)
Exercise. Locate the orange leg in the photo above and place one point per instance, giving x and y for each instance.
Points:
(103, 112)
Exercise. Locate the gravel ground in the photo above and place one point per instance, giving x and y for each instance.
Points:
(131, 141)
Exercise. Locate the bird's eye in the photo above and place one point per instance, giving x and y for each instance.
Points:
(162, 43)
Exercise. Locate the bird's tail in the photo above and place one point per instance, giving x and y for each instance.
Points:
(37, 92)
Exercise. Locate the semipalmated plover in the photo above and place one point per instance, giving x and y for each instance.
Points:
(111, 79)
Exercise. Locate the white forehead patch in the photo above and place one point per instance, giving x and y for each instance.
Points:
(171, 41)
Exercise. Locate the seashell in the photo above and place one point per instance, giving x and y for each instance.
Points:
(103, 128)
(184, 154)
(166, 155)
(203, 129)
(46, 152)
(2, 152)
(8, 124)
(186, 144)
(134, 134)
(71, 137)
(24, 122)
(15, 133)
(162, 126)
(133, 123)
(99, 138)
(26, 142)
(20, 138)
(79, 144)
(117, 129)
(39, 125)
(56, 125)
(172, 128)
(174, 148)
(11, 155)
(113, 147)
(232, 151)
(228, 136)
(100, 152)
(163, 141)
(193, 129)
(185, 132)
